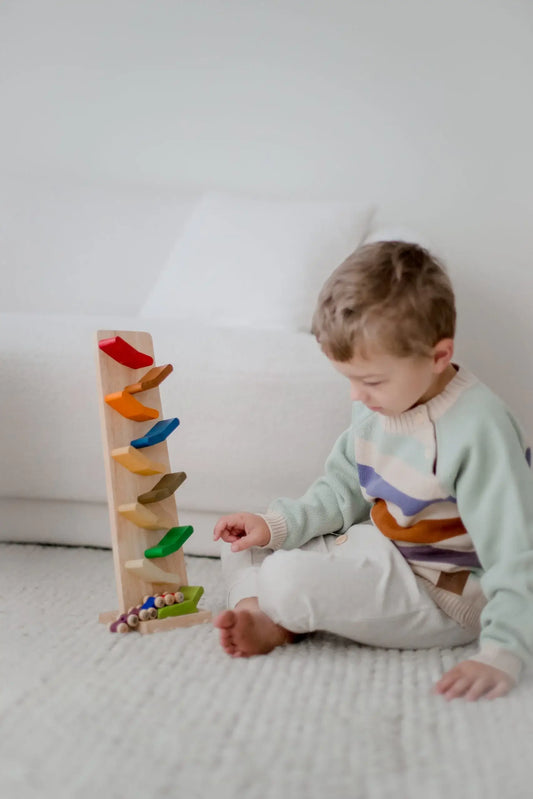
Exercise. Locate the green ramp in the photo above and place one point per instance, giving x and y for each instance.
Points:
(192, 594)
(171, 542)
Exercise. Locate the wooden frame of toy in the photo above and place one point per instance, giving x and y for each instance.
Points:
(150, 572)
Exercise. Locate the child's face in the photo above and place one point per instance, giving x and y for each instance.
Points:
(391, 385)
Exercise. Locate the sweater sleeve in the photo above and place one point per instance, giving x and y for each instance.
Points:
(332, 504)
(494, 491)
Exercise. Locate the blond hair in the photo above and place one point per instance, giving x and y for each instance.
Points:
(391, 296)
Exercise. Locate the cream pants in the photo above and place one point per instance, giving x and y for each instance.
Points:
(361, 589)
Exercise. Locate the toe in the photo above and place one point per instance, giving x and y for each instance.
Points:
(225, 620)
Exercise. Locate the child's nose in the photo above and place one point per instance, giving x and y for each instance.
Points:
(357, 394)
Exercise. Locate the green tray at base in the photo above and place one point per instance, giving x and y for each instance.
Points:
(192, 594)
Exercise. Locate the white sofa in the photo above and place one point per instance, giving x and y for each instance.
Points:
(226, 286)
(259, 405)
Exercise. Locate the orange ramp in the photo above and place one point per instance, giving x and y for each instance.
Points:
(128, 406)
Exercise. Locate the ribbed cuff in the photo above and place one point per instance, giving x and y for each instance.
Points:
(493, 655)
(278, 529)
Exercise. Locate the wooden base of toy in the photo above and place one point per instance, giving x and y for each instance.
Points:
(161, 625)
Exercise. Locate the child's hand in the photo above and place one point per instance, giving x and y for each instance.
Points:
(242, 530)
(473, 680)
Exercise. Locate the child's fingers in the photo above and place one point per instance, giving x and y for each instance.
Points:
(445, 682)
(242, 543)
(229, 537)
(219, 531)
(453, 684)
(489, 688)
(251, 539)
(229, 525)
(501, 688)
(478, 689)
(473, 680)
(459, 688)
(242, 530)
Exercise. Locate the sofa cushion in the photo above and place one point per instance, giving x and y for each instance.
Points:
(252, 262)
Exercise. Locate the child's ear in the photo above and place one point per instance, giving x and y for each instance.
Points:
(442, 355)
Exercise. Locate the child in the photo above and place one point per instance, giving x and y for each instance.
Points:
(420, 532)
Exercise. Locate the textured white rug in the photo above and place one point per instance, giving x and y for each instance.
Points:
(85, 713)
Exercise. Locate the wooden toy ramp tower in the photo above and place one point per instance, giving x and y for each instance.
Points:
(140, 486)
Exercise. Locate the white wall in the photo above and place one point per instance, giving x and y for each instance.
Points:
(421, 107)
(307, 96)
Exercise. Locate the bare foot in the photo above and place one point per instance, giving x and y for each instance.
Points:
(248, 631)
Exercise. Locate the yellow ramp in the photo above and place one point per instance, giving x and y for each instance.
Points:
(145, 518)
(138, 463)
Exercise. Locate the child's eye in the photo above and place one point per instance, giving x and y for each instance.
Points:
(379, 382)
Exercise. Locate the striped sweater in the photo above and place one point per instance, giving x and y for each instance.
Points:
(449, 483)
